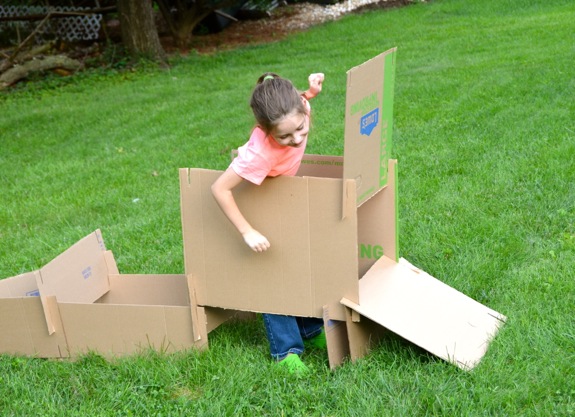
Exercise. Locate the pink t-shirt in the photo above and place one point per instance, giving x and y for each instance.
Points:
(263, 157)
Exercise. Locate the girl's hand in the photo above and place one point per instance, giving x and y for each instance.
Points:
(315, 84)
(256, 240)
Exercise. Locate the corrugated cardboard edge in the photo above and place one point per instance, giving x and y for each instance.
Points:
(349, 196)
(50, 325)
(186, 202)
(51, 303)
(195, 313)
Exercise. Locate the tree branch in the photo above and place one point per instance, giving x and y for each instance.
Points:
(12, 57)
(19, 72)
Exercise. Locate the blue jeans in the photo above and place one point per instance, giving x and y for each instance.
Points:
(286, 333)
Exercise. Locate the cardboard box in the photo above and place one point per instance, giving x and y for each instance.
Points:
(316, 221)
(334, 250)
(79, 302)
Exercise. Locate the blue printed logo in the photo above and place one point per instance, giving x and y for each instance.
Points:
(87, 273)
(369, 122)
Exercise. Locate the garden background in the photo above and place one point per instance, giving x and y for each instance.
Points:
(485, 138)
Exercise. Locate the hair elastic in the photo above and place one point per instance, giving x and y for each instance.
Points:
(268, 77)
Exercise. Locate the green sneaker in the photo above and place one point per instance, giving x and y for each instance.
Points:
(293, 364)
(317, 342)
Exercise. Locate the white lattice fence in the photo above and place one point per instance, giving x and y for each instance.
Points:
(71, 28)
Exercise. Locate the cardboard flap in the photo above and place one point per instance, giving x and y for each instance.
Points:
(194, 309)
(369, 124)
(363, 334)
(52, 312)
(23, 285)
(427, 312)
(80, 274)
(349, 197)
(336, 339)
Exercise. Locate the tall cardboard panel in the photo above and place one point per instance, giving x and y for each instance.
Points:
(312, 261)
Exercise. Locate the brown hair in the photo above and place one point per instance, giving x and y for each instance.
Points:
(274, 98)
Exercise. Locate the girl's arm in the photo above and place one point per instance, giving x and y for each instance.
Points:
(222, 192)
(315, 84)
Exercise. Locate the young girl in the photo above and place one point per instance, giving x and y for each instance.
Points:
(276, 147)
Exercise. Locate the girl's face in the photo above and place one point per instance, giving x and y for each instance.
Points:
(292, 130)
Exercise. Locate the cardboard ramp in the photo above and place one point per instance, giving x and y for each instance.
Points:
(427, 312)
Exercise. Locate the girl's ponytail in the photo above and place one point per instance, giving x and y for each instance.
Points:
(273, 99)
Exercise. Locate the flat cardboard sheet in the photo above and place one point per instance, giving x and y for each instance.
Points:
(80, 274)
(369, 124)
(427, 312)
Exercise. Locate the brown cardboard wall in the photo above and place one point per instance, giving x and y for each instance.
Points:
(125, 329)
(23, 285)
(132, 312)
(23, 329)
(368, 123)
(313, 257)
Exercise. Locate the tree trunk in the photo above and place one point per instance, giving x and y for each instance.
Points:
(189, 19)
(139, 33)
(182, 17)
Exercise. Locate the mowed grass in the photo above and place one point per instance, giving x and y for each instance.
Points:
(485, 138)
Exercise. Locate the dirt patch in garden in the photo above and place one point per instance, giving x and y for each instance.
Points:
(278, 24)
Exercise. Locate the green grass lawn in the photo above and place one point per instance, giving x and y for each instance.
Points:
(485, 138)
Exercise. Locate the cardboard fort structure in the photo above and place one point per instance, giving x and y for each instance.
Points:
(333, 234)
(79, 303)
(333, 255)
